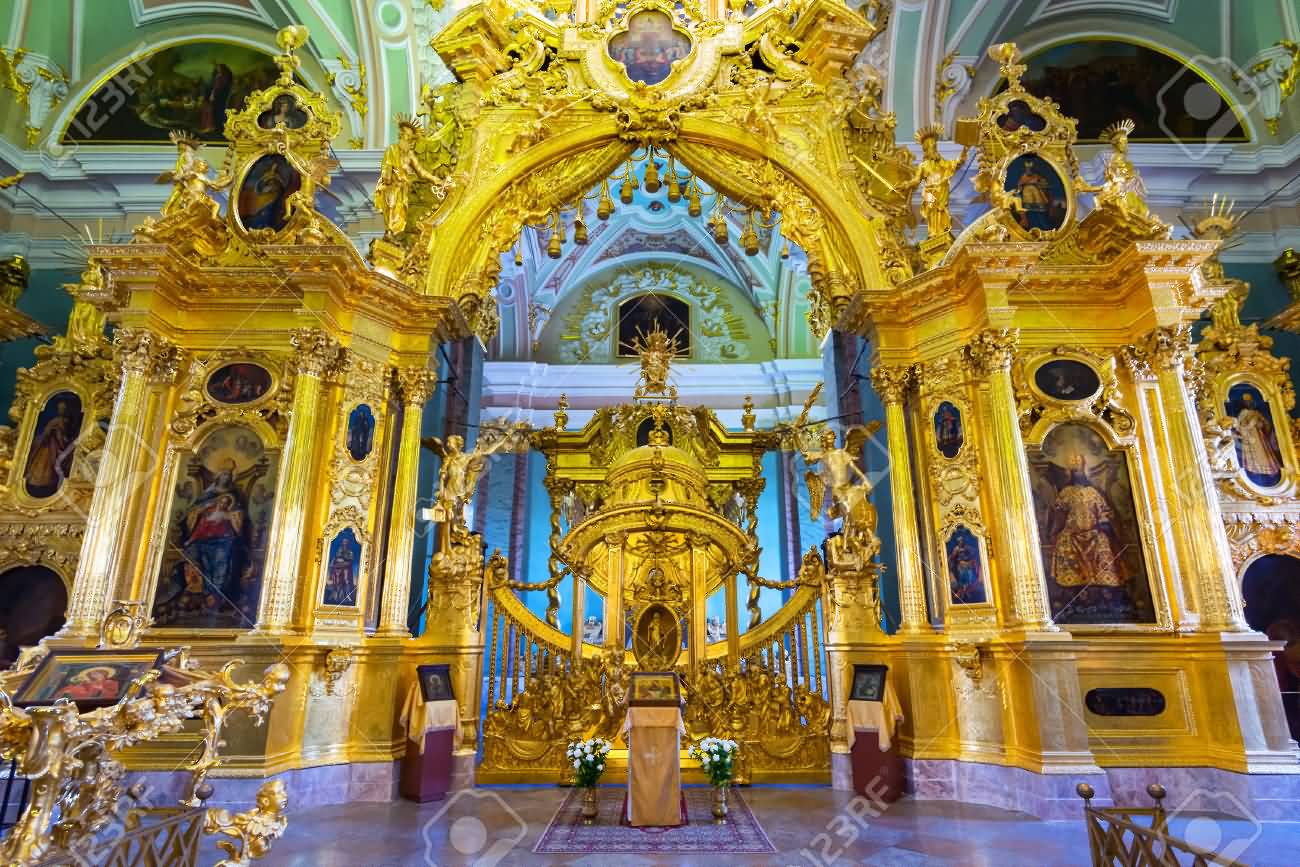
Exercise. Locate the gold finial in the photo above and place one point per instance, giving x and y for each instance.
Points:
(14, 273)
(658, 435)
(1288, 268)
(657, 349)
(1008, 57)
(561, 412)
(290, 39)
(748, 418)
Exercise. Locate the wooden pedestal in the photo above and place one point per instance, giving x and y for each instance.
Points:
(427, 776)
(869, 764)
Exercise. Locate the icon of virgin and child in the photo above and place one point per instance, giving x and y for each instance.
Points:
(210, 582)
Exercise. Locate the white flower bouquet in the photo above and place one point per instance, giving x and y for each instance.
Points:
(588, 759)
(716, 756)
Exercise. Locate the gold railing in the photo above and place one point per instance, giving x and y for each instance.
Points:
(1117, 836)
(76, 781)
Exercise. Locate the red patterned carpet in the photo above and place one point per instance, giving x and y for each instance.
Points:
(567, 835)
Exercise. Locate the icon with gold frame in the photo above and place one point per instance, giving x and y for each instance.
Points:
(868, 683)
(435, 682)
(90, 678)
(654, 689)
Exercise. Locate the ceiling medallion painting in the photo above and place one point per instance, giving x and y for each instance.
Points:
(649, 47)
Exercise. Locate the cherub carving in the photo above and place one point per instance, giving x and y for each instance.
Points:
(190, 179)
(254, 830)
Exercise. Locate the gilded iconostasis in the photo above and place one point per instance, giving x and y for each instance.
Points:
(558, 343)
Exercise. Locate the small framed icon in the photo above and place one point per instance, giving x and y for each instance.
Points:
(868, 683)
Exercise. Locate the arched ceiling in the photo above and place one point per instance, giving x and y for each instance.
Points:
(932, 58)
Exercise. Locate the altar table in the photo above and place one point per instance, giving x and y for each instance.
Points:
(654, 773)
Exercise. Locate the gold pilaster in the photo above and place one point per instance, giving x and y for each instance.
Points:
(1207, 558)
(614, 545)
(892, 384)
(415, 384)
(105, 548)
(991, 352)
(317, 353)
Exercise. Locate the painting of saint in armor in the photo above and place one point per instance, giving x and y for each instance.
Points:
(1258, 453)
(948, 434)
(361, 432)
(284, 111)
(1038, 193)
(1088, 530)
(49, 460)
(965, 575)
(241, 382)
(649, 47)
(342, 572)
(265, 191)
(193, 87)
(216, 539)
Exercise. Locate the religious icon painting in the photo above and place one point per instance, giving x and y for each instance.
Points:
(948, 434)
(342, 569)
(657, 637)
(965, 568)
(1258, 452)
(241, 382)
(1020, 116)
(263, 201)
(1089, 532)
(1038, 193)
(361, 432)
(1067, 379)
(868, 683)
(284, 111)
(90, 678)
(649, 47)
(222, 504)
(54, 439)
(435, 682)
(654, 689)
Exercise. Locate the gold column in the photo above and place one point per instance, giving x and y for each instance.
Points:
(614, 636)
(991, 352)
(1207, 555)
(699, 546)
(415, 384)
(317, 352)
(143, 355)
(892, 383)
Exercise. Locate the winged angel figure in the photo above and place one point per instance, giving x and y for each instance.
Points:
(837, 469)
(460, 472)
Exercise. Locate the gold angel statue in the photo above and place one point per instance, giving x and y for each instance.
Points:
(837, 469)
(1121, 186)
(399, 169)
(190, 179)
(934, 176)
(458, 478)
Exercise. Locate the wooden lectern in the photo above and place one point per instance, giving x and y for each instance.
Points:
(432, 735)
(877, 766)
(653, 729)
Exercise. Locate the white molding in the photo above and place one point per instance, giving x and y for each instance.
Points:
(1162, 10)
(253, 11)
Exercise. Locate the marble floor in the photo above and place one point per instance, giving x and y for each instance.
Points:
(500, 824)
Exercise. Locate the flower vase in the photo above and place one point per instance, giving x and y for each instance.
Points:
(590, 805)
(720, 804)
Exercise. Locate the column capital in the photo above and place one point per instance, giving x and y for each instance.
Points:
(892, 382)
(993, 348)
(148, 354)
(1162, 348)
(416, 384)
(317, 351)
